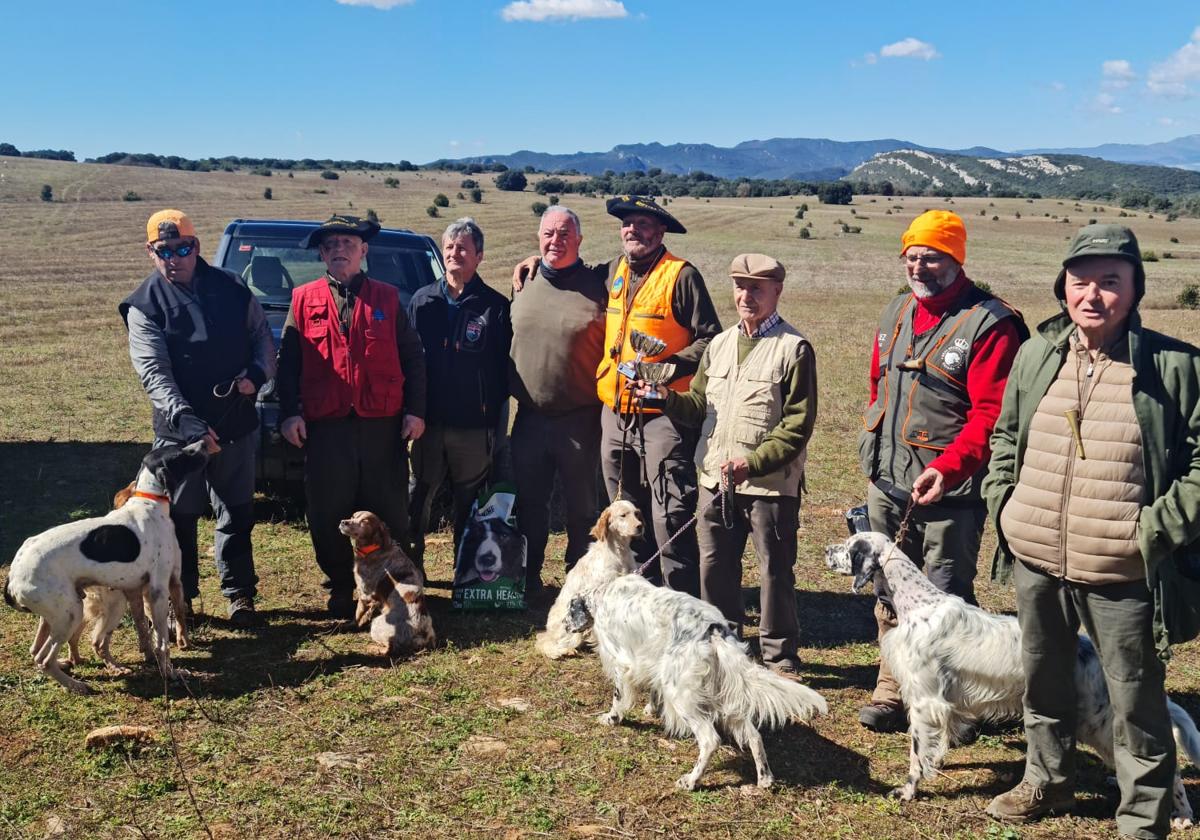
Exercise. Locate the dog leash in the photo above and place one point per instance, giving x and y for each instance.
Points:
(721, 496)
(902, 531)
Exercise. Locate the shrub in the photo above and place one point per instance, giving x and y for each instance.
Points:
(468, 183)
(460, 197)
(803, 209)
(791, 222)
(476, 195)
(538, 207)
(554, 200)
(432, 211)
(1091, 221)
(995, 218)
(799, 214)
(1189, 298)
(440, 200)
(261, 170)
(391, 182)
(47, 192)
(130, 195)
(1017, 214)
(290, 175)
(1149, 256)
(511, 181)
(321, 192)
(804, 234)
(835, 192)
(267, 194)
(372, 216)
(1167, 255)
(1174, 240)
(329, 175)
(982, 286)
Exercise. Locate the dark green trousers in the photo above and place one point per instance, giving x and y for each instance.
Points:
(1118, 619)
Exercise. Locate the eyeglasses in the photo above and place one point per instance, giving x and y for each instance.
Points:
(181, 251)
(927, 259)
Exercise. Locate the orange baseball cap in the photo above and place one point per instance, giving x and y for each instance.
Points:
(938, 229)
(169, 224)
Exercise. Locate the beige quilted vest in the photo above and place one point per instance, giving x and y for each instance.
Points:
(745, 404)
(1075, 517)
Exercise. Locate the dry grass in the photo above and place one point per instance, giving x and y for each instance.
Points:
(262, 707)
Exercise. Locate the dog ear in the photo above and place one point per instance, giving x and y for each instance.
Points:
(383, 536)
(600, 529)
(123, 495)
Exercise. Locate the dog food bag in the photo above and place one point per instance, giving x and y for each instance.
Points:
(489, 569)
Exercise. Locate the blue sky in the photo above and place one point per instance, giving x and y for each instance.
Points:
(423, 79)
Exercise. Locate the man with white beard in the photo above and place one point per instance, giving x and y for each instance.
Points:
(938, 368)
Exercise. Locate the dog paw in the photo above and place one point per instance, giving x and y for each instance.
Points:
(904, 793)
(117, 670)
(68, 664)
(766, 780)
(80, 688)
(609, 719)
(686, 782)
(1180, 823)
(649, 711)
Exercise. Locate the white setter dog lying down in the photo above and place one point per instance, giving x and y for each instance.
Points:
(607, 558)
(958, 665)
(681, 653)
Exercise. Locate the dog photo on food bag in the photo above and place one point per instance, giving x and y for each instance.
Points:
(489, 570)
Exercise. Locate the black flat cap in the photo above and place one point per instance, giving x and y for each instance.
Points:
(364, 229)
(622, 205)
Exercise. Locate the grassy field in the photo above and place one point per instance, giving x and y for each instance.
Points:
(294, 731)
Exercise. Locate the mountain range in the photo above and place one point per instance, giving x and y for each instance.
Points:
(810, 158)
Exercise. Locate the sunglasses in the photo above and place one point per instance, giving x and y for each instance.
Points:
(181, 251)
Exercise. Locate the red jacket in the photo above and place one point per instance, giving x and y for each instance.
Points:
(993, 355)
(359, 371)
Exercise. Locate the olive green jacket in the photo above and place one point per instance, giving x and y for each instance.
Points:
(1166, 400)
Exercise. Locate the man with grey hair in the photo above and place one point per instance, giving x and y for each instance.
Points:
(466, 330)
(557, 343)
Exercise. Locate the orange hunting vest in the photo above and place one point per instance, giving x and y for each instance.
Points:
(649, 312)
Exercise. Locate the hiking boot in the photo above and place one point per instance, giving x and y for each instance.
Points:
(1026, 803)
(242, 613)
(786, 668)
(883, 717)
(341, 606)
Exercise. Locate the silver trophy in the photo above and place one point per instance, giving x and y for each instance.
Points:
(644, 345)
(655, 374)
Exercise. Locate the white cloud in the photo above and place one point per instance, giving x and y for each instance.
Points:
(1173, 77)
(1166, 121)
(909, 48)
(541, 10)
(375, 4)
(1104, 103)
(1118, 73)
(1057, 87)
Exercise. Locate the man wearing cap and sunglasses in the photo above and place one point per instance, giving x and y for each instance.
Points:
(201, 346)
(351, 392)
(940, 359)
(754, 396)
(1094, 486)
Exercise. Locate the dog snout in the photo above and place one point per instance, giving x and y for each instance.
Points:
(346, 526)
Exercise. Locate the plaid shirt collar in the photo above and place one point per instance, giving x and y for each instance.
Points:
(766, 326)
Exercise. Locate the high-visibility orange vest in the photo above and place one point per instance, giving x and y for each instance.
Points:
(649, 312)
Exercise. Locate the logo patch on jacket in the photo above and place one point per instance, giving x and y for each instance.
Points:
(473, 330)
(378, 315)
(618, 284)
(954, 359)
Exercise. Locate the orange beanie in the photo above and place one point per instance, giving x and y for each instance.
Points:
(938, 229)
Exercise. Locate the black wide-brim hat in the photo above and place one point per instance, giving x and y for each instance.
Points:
(622, 205)
(364, 229)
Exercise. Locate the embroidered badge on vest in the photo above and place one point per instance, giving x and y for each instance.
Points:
(473, 330)
(882, 339)
(955, 358)
(378, 315)
(618, 285)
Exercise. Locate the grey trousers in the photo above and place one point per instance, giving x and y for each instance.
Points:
(771, 523)
(353, 463)
(667, 502)
(544, 445)
(227, 483)
(943, 539)
(463, 455)
(1118, 618)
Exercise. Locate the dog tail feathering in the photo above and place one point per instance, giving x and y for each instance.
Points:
(1187, 737)
(755, 693)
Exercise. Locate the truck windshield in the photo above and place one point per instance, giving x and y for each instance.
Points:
(273, 267)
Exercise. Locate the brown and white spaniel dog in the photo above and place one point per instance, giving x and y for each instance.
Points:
(391, 593)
